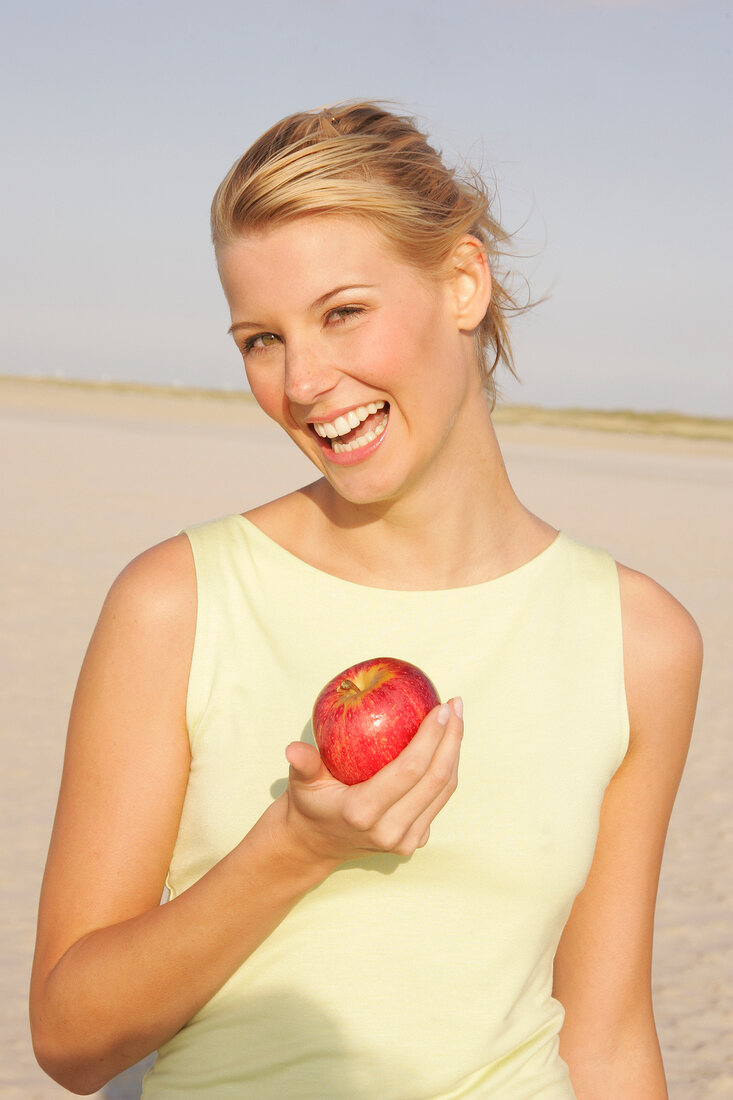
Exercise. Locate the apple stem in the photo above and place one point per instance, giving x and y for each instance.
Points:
(348, 685)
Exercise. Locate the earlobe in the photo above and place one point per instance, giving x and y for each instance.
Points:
(471, 282)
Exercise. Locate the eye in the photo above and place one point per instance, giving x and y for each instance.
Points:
(260, 342)
(341, 314)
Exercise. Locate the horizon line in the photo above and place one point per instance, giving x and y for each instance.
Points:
(650, 422)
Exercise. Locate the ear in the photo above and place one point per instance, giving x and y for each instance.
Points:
(470, 282)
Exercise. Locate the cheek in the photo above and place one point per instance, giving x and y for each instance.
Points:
(393, 352)
(267, 390)
(417, 351)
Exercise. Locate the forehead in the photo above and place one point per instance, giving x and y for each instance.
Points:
(305, 257)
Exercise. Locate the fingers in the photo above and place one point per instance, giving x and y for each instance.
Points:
(404, 797)
(443, 724)
(414, 813)
(418, 834)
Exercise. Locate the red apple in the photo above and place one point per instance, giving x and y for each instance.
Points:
(366, 715)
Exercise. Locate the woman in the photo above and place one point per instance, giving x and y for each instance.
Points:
(405, 937)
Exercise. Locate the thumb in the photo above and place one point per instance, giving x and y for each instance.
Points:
(305, 761)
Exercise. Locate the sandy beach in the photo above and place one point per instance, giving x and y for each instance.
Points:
(94, 475)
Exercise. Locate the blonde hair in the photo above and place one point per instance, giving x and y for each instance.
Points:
(362, 160)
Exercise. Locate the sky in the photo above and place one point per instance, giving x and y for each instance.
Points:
(604, 126)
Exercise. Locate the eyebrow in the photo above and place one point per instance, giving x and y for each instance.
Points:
(318, 304)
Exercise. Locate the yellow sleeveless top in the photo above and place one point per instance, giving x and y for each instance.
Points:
(428, 978)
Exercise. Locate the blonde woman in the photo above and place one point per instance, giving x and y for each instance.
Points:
(413, 937)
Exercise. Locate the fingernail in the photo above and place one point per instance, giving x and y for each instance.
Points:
(458, 706)
(444, 714)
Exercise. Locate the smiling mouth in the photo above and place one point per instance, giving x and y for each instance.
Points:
(355, 429)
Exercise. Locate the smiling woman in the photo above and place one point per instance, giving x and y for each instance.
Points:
(407, 936)
(343, 325)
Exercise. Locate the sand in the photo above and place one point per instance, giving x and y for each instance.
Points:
(92, 476)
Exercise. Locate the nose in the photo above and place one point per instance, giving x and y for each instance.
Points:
(308, 373)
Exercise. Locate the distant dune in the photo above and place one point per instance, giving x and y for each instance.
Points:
(619, 420)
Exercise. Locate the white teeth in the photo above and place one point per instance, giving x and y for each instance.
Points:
(326, 431)
(362, 440)
(331, 429)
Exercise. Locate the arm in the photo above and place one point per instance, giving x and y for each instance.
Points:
(603, 963)
(115, 974)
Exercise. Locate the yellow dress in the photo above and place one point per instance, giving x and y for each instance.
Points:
(428, 978)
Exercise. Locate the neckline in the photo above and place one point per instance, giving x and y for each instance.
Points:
(494, 583)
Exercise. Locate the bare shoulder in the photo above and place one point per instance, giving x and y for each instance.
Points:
(135, 673)
(158, 585)
(143, 642)
(144, 635)
(651, 613)
(662, 656)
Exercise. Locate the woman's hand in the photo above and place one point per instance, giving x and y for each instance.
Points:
(392, 811)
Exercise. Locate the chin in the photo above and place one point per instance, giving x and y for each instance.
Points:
(365, 494)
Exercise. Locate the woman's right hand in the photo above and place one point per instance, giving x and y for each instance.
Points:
(390, 812)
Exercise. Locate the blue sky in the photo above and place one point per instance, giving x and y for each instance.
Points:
(607, 127)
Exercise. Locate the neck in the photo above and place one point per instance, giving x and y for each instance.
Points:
(461, 526)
